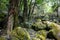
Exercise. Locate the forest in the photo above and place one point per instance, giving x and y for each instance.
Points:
(29, 19)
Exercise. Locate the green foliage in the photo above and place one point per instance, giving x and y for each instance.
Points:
(39, 1)
(54, 6)
(2, 16)
(3, 4)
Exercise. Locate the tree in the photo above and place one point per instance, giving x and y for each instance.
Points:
(25, 11)
(12, 15)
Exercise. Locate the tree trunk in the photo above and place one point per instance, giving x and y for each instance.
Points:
(31, 9)
(12, 16)
(16, 23)
(25, 11)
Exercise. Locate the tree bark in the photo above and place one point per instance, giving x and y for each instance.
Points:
(12, 16)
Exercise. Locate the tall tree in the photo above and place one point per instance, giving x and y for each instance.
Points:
(12, 15)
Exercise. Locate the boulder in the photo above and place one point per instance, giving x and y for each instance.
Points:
(55, 29)
(41, 34)
(38, 26)
(20, 33)
(2, 38)
(36, 39)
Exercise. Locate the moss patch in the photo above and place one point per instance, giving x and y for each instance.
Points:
(20, 33)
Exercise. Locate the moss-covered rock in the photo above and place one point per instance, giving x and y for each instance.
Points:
(20, 33)
(55, 29)
(38, 25)
(2, 38)
(36, 39)
(55, 34)
(53, 25)
(14, 38)
(41, 34)
(51, 35)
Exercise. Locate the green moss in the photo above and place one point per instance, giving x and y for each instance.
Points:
(36, 39)
(55, 34)
(38, 25)
(20, 33)
(2, 38)
(55, 29)
(41, 34)
(14, 38)
(53, 25)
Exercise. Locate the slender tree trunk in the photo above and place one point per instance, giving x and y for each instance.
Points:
(57, 12)
(25, 11)
(16, 11)
(31, 9)
(12, 16)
